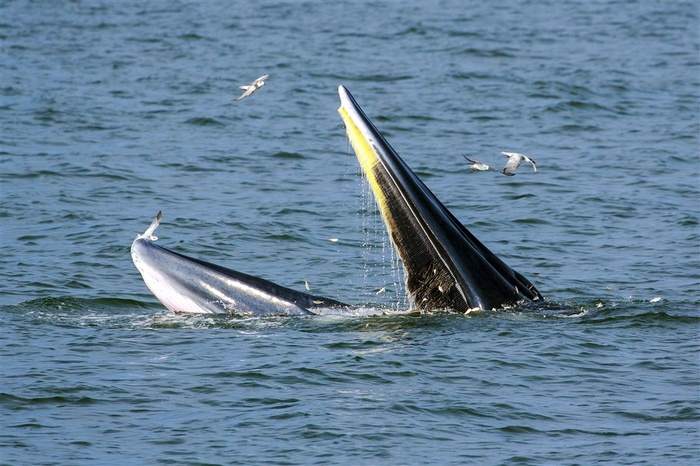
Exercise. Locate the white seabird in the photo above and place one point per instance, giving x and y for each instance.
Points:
(478, 166)
(514, 161)
(252, 87)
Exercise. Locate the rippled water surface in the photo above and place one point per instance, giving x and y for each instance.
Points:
(112, 111)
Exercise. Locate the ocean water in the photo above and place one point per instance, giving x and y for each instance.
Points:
(112, 111)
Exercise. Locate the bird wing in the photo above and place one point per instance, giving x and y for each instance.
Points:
(260, 81)
(249, 91)
(510, 166)
(532, 162)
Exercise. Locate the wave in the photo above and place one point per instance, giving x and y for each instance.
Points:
(134, 313)
(67, 303)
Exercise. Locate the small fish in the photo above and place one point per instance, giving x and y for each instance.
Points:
(306, 284)
(655, 300)
(514, 161)
(478, 166)
(382, 290)
(252, 87)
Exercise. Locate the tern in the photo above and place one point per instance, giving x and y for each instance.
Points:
(514, 161)
(478, 166)
(252, 87)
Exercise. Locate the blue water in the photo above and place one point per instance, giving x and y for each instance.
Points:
(112, 111)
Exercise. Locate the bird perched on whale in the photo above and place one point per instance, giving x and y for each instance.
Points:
(252, 87)
(514, 161)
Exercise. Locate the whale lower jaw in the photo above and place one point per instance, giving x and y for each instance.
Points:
(445, 266)
(188, 285)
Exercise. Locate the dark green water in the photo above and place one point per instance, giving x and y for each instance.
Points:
(111, 111)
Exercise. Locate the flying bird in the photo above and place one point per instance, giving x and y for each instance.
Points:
(478, 166)
(252, 87)
(514, 161)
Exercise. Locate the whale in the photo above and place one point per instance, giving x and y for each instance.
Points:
(446, 268)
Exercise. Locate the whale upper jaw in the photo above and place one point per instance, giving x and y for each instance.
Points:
(445, 266)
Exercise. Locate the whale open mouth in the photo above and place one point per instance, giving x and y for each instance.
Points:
(446, 267)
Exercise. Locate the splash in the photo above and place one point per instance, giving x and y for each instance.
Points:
(383, 271)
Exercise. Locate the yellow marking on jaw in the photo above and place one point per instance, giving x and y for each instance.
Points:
(367, 157)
